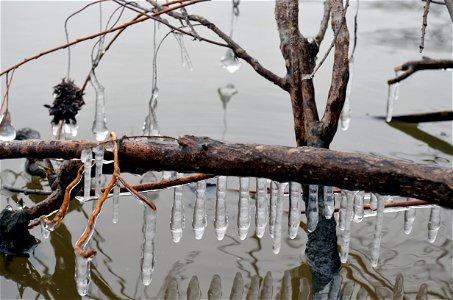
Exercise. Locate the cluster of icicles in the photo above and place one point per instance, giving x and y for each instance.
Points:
(270, 197)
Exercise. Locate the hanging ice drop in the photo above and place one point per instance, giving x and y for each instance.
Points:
(199, 211)
(329, 202)
(312, 208)
(229, 62)
(295, 198)
(99, 161)
(345, 117)
(434, 223)
(221, 217)
(244, 208)
(277, 239)
(82, 274)
(261, 207)
(148, 257)
(177, 215)
(99, 124)
(85, 157)
(7, 130)
(116, 203)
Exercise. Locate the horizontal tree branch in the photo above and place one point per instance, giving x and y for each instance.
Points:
(425, 117)
(411, 67)
(304, 164)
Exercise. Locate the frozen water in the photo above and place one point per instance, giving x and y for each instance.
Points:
(99, 124)
(273, 207)
(151, 126)
(358, 207)
(221, 217)
(312, 208)
(82, 274)
(99, 160)
(434, 223)
(295, 200)
(116, 203)
(7, 130)
(149, 233)
(329, 202)
(226, 93)
(261, 206)
(244, 207)
(86, 156)
(378, 230)
(185, 58)
(409, 218)
(345, 117)
(350, 195)
(277, 239)
(177, 221)
(199, 211)
(229, 61)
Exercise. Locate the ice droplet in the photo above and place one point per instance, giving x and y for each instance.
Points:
(177, 221)
(82, 274)
(199, 210)
(261, 206)
(312, 208)
(229, 61)
(244, 208)
(221, 217)
(85, 157)
(44, 229)
(7, 130)
(295, 199)
(149, 233)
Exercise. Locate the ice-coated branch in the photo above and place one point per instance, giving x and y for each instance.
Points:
(305, 165)
(424, 24)
(411, 67)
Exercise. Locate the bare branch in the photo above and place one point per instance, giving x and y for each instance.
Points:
(324, 23)
(411, 67)
(424, 24)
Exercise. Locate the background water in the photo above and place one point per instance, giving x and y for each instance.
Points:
(389, 34)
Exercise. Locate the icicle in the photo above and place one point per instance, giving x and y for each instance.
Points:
(44, 229)
(329, 202)
(378, 230)
(398, 288)
(238, 287)
(273, 208)
(148, 257)
(244, 208)
(373, 201)
(221, 217)
(116, 203)
(434, 223)
(85, 157)
(229, 61)
(277, 239)
(286, 291)
(215, 288)
(312, 208)
(261, 207)
(7, 130)
(185, 58)
(172, 291)
(409, 218)
(422, 292)
(358, 207)
(193, 290)
(177, 221)
(345, 117)
(254, 289)
(268, 286)
(199, 211)
(342, 213)
(99, 160)
(350, 195)
(82, 274)
(226, 93)
(99, 124)
(295, 198)
(393, 93)
(150, 126)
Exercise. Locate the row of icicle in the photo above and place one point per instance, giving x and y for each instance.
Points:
(270, 196)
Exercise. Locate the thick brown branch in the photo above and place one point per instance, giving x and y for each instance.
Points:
(411, 67)
(303, 164)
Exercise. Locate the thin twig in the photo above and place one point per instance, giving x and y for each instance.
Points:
(411, 67)
(424, 24)
(8, 84)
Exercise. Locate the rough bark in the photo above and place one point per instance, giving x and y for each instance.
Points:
(303, 164)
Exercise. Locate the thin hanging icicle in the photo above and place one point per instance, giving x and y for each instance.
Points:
(86, 156)
(343, 207)
(254, 289)
(193, 290)
(199, 211)
(221, 216)
(392, 96)
(329, 202)
(434, 223)
(350, 195)
(376, 246)
(295, 199)
(244, 208)
(312, 208)
(373, 201)
(238, 287)
(277, 239)
(99, 129)
(185, 58)
(116, 204)
(99, 160)
(82, 274)
(268, 286)
(273, 208)
(149, 233)
(358, 207)
(409, 218)
(261, 206)
(215, 288)
(177, 221)
(345, 117)
(151, 126)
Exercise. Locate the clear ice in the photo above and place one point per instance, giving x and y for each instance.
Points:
(86, 157)
(261, 206)
(7, 130)
(82, 274)
(434, 223)
(345, 117)
(229, 61)
(150, 126)
(342, 213)
(193, 290)
(149, 233)
(373, 201)
(273, 208)
(99, 161)
(244, 207)
(393, 94)
(295, 200)
(378, 230)
(312, 208)
(350, 195)
(177, 221)
(221, 216)
(277, 239)
(116, 203)
(329, 202)
(99, 129)
(199, 210)
(185, 58)
(409, 218)
(358, 207)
